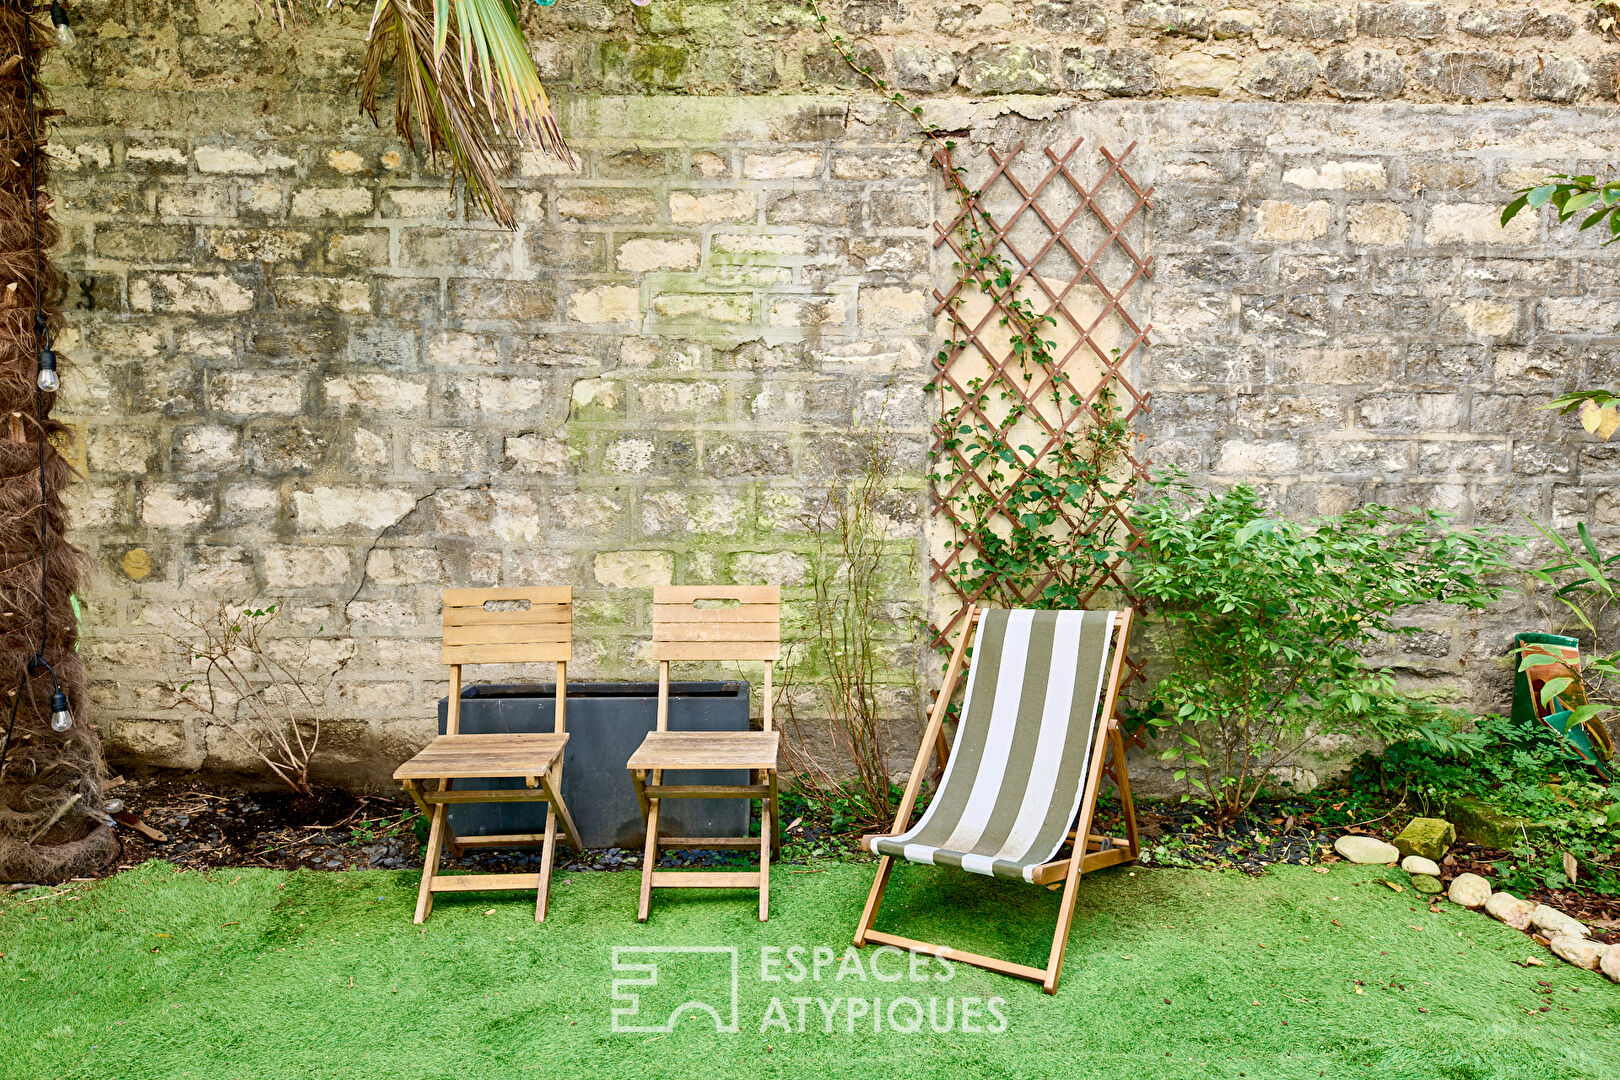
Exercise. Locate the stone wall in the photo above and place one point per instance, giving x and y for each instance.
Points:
(304, 369)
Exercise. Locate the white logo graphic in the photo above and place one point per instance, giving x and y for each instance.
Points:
(625, 958)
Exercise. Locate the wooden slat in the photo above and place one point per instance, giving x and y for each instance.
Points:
(989, 963)
(473, 756)
(1046, 873)
(507, 654)
(688, 594)
(708, 842)
(477, 616)
(534, 594)
(740, 613)
(707, 750)
(507, 840)
(484, 796)
(706, 791)
(716, 650)
(702, 879)
(485, 882)
(727, 631)
(509, 634)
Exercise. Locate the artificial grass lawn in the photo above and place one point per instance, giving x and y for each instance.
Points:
(1170, 973)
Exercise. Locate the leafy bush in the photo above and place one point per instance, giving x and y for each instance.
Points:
(1527, 771)
(1266, 624)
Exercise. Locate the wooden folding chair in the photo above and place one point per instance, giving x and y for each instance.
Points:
(691, 623)
(495, 626)
(1024, 769)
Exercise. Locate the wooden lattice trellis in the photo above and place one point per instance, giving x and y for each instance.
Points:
(1069, 248)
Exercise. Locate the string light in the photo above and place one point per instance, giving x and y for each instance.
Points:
(64, 32)
(49, 381)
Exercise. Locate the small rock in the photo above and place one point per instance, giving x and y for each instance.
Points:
(1553, 922)
(1417, 864)
(1579, 951)
(1428, 837)
(1610, 964)
(1469, 890)
(1510, 909)
(1365, 849)
(1426, 884)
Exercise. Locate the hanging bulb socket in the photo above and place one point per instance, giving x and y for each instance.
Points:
(61, 715)
(64, 32)
(49, 381)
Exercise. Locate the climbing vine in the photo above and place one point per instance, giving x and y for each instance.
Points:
(1037, 525)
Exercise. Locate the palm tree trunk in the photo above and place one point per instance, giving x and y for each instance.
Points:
(52, 821)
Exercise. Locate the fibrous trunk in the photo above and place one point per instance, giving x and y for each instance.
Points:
(52, 821)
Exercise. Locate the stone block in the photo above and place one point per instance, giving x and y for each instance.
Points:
(1311, 22)
(633, 569)
(1428, 837)
(1288, 223)
(1010, 69)
(1364, 74)
(1209, 72)
(1471, 76)
(1401, 19)
(703, 207)
(1162, 17)
(1110, 72)
(1281, 76)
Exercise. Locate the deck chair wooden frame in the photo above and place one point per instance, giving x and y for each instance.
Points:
(475, 632)
(684, 631)
(1094, 854)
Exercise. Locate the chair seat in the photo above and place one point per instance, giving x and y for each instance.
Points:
(472, 756)
(707, 750)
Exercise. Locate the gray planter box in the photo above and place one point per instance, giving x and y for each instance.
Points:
(606, 722)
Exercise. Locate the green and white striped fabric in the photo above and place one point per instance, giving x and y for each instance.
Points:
(1022, 753)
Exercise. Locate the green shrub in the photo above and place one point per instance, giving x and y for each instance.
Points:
(1266, 623)
(1524, 770)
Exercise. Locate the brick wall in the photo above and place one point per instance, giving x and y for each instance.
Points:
(303, 369)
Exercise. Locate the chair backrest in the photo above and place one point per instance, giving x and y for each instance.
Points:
(716, 623)
(1039, 700)
(507, 626)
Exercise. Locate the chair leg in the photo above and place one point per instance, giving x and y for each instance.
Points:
(548, 852)
(776, 816)
(649, 859)
(765, 844)
(1122, 781)
(1060, 937)
(874, 899)
(430, 863)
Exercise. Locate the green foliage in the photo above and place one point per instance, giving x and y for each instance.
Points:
(1569, 196)
(1267, 623)
(1040, 529)
(1524, 770)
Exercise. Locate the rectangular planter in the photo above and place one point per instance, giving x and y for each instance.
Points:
(606, 722)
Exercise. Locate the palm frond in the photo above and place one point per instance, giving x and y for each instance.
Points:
(465, 86)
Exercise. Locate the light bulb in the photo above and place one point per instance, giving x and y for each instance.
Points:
(113, 806)
(64, 32)
(61, 718)
(49, 381)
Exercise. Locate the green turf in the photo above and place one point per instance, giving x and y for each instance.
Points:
(1171, 974)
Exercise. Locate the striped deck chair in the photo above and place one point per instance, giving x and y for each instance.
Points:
(1031, 748)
